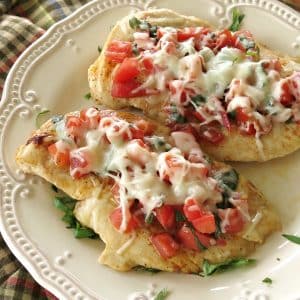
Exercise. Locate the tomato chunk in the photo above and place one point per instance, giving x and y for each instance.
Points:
(127, 70)
(60, 152)
(117, 51)
(147, 127)
(205, 224)
(189, 239)
(232, 220)
(164, 244)
(91, 117)
(187, 33)
(126, 89)
(116, 218)
(286, 97)
(79, 164)
(166, 216)
(192, 210)
(211, 134)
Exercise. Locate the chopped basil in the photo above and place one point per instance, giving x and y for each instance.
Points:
(209, 269)
(41, 118)
(67, 205)
(198, 99)
(278, 259)
(252, 53)
(135, 50)
(232, 115)
(150, 218)
(218, 231)
(229, 178)
(179, 217)
(267, 280)
(134, 23)
(145, 269)
(292, 238)
(88, 96)
(176, 116)
(237, 18)
(99, 49)
(162, 295)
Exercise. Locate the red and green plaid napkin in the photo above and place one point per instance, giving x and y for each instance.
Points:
(21, 23)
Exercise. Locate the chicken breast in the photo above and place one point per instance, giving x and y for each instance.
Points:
(283, 139)
(123, 251)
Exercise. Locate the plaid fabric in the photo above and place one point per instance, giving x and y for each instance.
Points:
(21, 23)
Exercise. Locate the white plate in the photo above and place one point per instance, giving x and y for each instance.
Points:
(52, 74)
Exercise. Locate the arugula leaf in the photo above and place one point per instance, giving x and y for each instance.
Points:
(267, 280)
(209, 269)
(88, 96)
(41, 118)
(162, 295)
(99, 49)
(237, 18)
(292, 238)
(145, 269)
(82, 232)
(67, 205)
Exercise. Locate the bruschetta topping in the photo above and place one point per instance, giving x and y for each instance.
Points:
(154, 179)
(214, 78)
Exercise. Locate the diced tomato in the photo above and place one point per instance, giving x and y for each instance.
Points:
(205, 224)
(241, 115)
(164, 244)
(286, 97)
(166, 216)
(79, 162)
(116, 218)
(147, 127)
(148, 64)
(126, 89)
(189, 239)
(61, 158)
(250, 129)
(91, 117)
(238, 36)
(192, 210)
(199, 116)
(187, 33)
(117, 51)
(127, 70)
(75, 126)
(187, 128)
(224, 39)
(211, 134)
(233, 220)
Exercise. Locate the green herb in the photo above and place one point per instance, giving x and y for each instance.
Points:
(135, 50)
(209, 269)
(232, 115)
(162, 295)
(278, 259)
(198, 99)
(237, 18)
(57, 118)
(179, 217)
(99, 49)
(176, 116)
(267, 280)
(293, 238)
(150, 218)
(252, 53)
(41, 118)
(218, 231)
(229, 178)
(134, 23)
(145, 269)
(88, 96)
(153, 31)
(67, 205)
